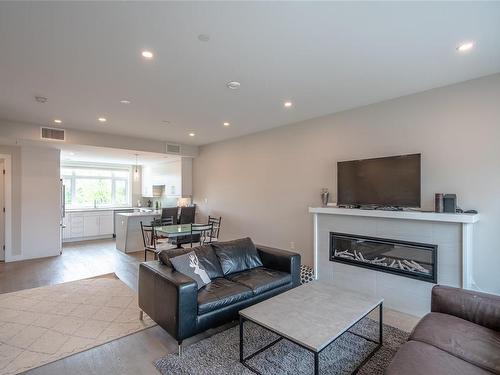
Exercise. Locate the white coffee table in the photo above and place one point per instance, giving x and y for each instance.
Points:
(312, 316)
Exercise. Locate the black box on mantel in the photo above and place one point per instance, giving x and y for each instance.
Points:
(450, 203)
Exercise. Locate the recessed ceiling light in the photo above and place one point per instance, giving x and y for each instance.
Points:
(57, 121)
(192, 134)
(233, 85)
(226, 124)
(166, 122)
(147, 55)
(465, 46)
(125, 101)
(287, 104)
(102, 119)
(203, 37)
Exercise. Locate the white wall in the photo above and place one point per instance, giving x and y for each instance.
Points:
(40, 202)
(35, 202)
(263, 183)
(15, 154)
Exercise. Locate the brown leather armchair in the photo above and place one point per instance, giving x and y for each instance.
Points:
(460, 336)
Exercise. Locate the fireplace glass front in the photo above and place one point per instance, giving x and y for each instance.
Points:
(409, 259)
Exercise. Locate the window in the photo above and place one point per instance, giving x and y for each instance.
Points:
(92, 187)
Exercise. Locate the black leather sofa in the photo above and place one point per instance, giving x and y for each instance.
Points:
(240, 277)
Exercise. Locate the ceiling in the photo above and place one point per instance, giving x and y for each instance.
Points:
(323, 56)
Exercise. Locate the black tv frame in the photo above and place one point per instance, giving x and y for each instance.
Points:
(374, 205)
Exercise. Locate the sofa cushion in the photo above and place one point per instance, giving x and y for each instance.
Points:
(418, 358)
(206, 256)
(237, 255)
(189, 265)
(261, 279)
(220, 293)
(471, 342)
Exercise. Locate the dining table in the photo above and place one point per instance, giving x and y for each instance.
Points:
(176, 230)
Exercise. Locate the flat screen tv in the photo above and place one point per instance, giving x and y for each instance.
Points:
(388, 181)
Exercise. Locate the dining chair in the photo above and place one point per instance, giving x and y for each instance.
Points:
(151, 241)
(172, 212)
(216, 221)
(202, 231)
(168, 220)
(187, 215)
(160, 222)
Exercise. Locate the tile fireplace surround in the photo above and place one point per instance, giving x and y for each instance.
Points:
(452, 233)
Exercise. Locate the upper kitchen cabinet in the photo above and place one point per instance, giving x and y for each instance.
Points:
(174, 178)
(147, 181)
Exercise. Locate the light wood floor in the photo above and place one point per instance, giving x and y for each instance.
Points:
(133, 354)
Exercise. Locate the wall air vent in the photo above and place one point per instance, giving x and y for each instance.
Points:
(52, 134)
(173, 149)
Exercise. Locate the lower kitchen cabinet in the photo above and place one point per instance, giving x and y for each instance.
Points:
(81, 225)
(106, 223)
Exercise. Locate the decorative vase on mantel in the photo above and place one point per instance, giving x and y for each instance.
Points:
(325, 196)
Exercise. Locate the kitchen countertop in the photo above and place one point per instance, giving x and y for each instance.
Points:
(138, 214)
(100, 209)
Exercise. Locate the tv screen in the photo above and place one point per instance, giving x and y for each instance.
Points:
(387, 181)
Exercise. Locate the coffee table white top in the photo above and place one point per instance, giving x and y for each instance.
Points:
(313, 314)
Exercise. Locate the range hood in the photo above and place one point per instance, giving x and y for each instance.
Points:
(158, 190)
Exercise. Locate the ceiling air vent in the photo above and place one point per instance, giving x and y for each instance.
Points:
(173, 149)
(53, 134)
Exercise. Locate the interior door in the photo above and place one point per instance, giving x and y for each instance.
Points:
(2, 212)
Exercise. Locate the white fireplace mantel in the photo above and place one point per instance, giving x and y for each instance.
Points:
(359, 219)
(408, 215)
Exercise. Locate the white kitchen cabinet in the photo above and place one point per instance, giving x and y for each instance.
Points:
(90, 224)
(76, 224)
(147, 181)
(106, 223)
(176, 177)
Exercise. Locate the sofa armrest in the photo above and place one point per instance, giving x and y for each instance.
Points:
(281, 260)
(169, 298)
(476, 307)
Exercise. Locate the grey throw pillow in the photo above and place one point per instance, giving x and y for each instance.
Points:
(189, 265)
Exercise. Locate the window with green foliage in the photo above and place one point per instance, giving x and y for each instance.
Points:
(94, 187)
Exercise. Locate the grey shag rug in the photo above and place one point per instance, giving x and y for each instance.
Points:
(219, 354)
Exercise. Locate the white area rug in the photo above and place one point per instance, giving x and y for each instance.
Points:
(42, 325)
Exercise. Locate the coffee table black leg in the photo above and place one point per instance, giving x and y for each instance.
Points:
(316, 363)
(241, 339)
(381, 325)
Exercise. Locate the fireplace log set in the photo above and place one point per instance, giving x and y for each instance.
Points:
(403, 264)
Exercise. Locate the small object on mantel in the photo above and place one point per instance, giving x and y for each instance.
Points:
(450, 203)
(332, 204)
(325, 196)
(438, 202)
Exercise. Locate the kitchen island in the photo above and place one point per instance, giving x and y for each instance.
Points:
(128, 229)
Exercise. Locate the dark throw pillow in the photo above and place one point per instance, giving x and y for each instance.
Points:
(206, 256)
(189, 265)
(237, 255)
